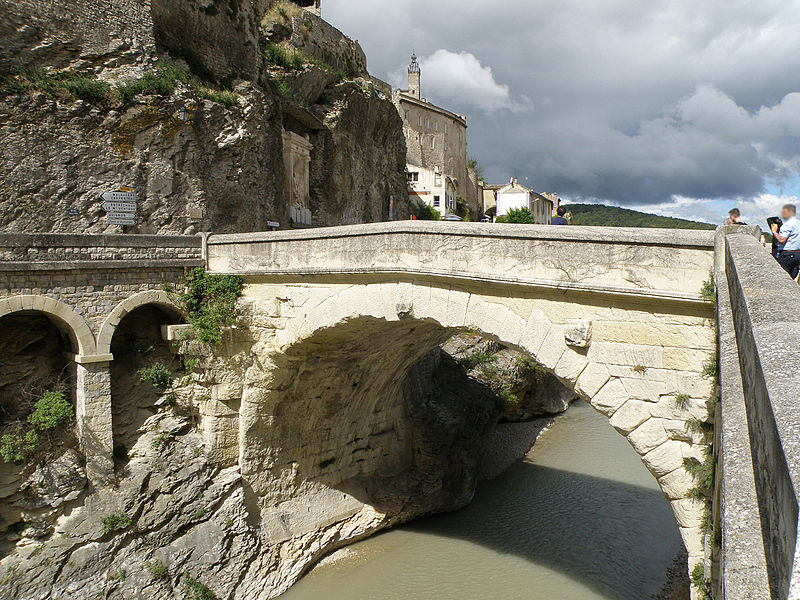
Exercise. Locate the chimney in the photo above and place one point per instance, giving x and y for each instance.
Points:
(414, 85)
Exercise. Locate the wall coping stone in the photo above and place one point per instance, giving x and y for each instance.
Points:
(19, 266)
(690, 238)
(765, 313)
(82, 240)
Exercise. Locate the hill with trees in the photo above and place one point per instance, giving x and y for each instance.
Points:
(613, 216)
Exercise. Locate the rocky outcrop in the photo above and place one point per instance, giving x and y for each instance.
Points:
(198, 159)
(524, 389)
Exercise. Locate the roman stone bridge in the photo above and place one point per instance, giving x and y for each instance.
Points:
(332, 320)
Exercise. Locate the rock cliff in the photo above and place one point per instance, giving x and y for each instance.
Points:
(184, 103)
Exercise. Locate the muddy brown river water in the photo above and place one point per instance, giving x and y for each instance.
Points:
(579, 518)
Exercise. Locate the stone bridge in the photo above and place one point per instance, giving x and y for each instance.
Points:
(333, 319)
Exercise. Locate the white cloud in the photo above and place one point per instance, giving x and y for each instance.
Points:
(460, 78)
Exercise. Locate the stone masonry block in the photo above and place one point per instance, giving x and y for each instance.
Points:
(593, 377)
(553, 347)
(647, 436)
(578, 332)
(570, 365)
(688, 512)
(676, 484)
(629, 416)
(665, 458)
(535, 332)
(610, 397)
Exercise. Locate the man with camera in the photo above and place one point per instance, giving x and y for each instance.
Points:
(789, 235)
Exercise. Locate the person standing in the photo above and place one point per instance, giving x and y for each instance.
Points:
(560, 219)
(734, 218)
(789, 236)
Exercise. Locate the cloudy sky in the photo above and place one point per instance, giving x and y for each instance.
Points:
(678, 107)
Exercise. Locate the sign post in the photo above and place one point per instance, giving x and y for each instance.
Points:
(120, 206)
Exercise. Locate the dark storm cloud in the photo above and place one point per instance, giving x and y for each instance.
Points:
(622, 100)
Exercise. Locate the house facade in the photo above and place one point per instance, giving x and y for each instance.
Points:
(436, 140)
(514, 196)
(433, 188)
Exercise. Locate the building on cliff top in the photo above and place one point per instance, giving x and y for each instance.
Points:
(436, 141)
(313, 6)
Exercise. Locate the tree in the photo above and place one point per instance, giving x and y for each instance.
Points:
(521, 216)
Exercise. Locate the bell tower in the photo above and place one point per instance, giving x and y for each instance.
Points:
(414, 77)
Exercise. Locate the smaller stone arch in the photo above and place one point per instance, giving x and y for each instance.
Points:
(109, 326)
(75, 325)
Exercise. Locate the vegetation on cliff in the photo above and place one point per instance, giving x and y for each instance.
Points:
(210, 301)
(51, 412)
(68, 86)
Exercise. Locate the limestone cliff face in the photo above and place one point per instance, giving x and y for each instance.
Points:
(190, 512)
(195, 163)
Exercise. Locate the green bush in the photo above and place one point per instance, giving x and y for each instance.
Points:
(51, 411)
(476, 359)
(157, 569)
(158, 375)
(423, 211)
(521, 216)
(16, 447)
(709, 290)
(196, 590)
(115, 522)
(701, 583)
(210, 302)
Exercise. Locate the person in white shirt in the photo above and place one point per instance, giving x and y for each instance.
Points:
(789, 236)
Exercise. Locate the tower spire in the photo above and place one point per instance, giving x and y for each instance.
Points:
(414, 84)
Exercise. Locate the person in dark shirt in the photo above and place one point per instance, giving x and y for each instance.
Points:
(560, 220)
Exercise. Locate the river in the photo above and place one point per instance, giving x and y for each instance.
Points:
(579, 518)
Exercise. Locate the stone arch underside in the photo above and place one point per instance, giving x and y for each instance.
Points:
(157, 298)
(329, 352)
(70, 322)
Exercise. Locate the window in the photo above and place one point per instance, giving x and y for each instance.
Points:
(435, 125)
(445, 126)
(433, 143)
(436, 200)
(406, 117)
(437, 179)
(445, 146)
(420, 120)
(427, 123)
(413, 177)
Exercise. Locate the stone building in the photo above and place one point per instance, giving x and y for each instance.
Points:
(436, 141)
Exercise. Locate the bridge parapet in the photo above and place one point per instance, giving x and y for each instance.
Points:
(656, 263)
(760, 483)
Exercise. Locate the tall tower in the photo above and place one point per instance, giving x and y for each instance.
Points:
(414, 77)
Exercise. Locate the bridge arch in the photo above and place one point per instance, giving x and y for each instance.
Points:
(158, 298)
(65, 317)
(401, 322)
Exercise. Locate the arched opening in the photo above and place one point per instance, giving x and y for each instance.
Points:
(36, 375)
(357, 421)
(142, 370)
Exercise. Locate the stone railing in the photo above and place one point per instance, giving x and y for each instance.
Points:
(760, 377)
(46, 251)
(656, 263)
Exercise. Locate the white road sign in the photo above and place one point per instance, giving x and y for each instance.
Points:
(128, 207)
(120, 218)
(119, 196)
